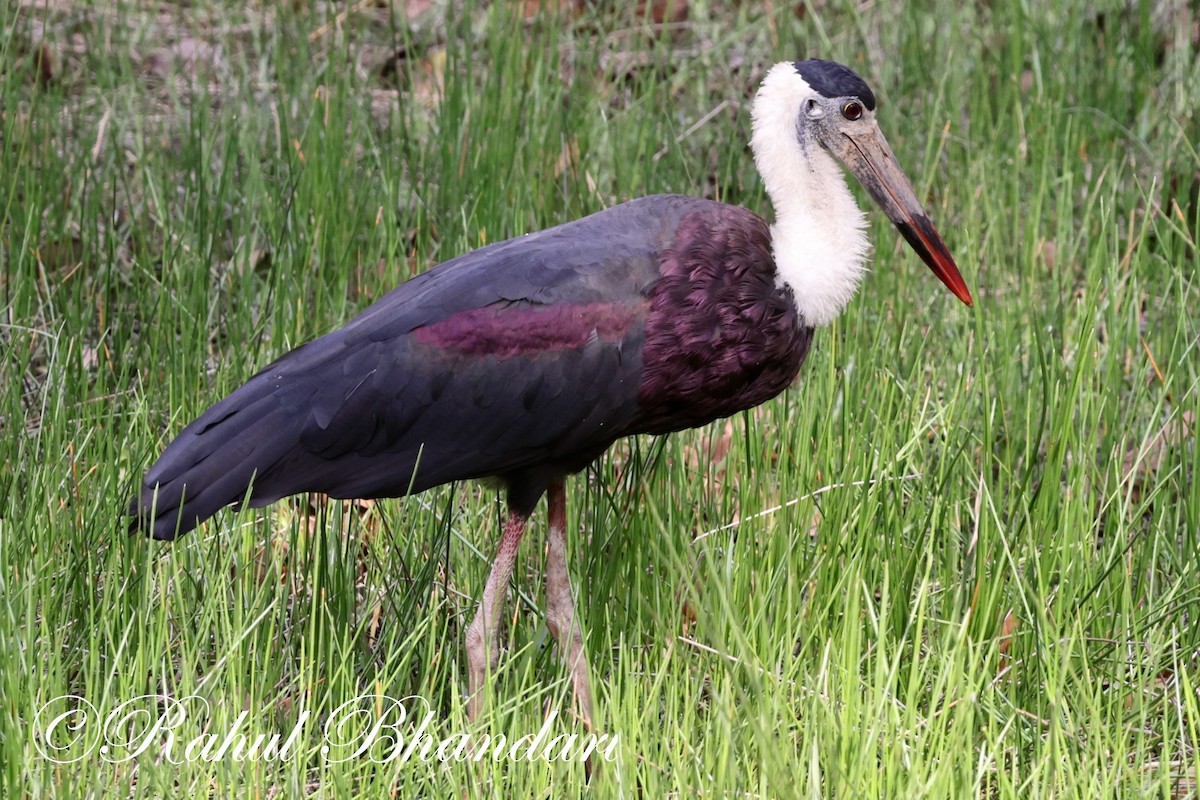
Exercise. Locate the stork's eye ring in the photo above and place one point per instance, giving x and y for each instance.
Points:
(852, 110)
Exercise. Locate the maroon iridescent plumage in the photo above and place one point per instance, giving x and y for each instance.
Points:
(721, 335)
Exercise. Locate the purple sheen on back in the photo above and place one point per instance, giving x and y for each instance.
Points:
(515, 329)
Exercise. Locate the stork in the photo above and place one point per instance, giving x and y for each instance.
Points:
(525, 360)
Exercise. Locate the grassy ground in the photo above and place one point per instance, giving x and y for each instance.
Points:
(959, 558)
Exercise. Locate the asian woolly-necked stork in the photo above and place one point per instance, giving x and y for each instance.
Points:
(526, 359)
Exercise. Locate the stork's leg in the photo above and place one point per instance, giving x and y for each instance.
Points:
(483, 633)
(560, 609)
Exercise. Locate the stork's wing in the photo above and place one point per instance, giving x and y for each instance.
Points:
(522, 353)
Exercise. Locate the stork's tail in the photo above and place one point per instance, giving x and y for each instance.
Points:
(213, 463)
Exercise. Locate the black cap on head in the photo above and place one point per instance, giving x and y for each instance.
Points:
(834, 80)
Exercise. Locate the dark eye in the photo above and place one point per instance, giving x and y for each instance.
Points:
(852, 110)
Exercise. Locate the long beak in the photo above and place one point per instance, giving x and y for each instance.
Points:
(871, 160)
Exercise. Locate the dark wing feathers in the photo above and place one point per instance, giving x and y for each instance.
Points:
(523, 353)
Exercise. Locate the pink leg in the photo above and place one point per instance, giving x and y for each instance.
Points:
(483, 633)
(560, 609)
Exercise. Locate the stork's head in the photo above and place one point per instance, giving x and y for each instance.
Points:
(808, 109)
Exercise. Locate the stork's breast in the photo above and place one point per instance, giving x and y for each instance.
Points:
(721, 336)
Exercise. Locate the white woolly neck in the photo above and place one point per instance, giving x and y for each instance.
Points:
(819, 236)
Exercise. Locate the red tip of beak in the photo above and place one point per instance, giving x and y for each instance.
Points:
(924, 238)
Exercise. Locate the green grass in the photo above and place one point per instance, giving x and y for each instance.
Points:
(959, 558)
